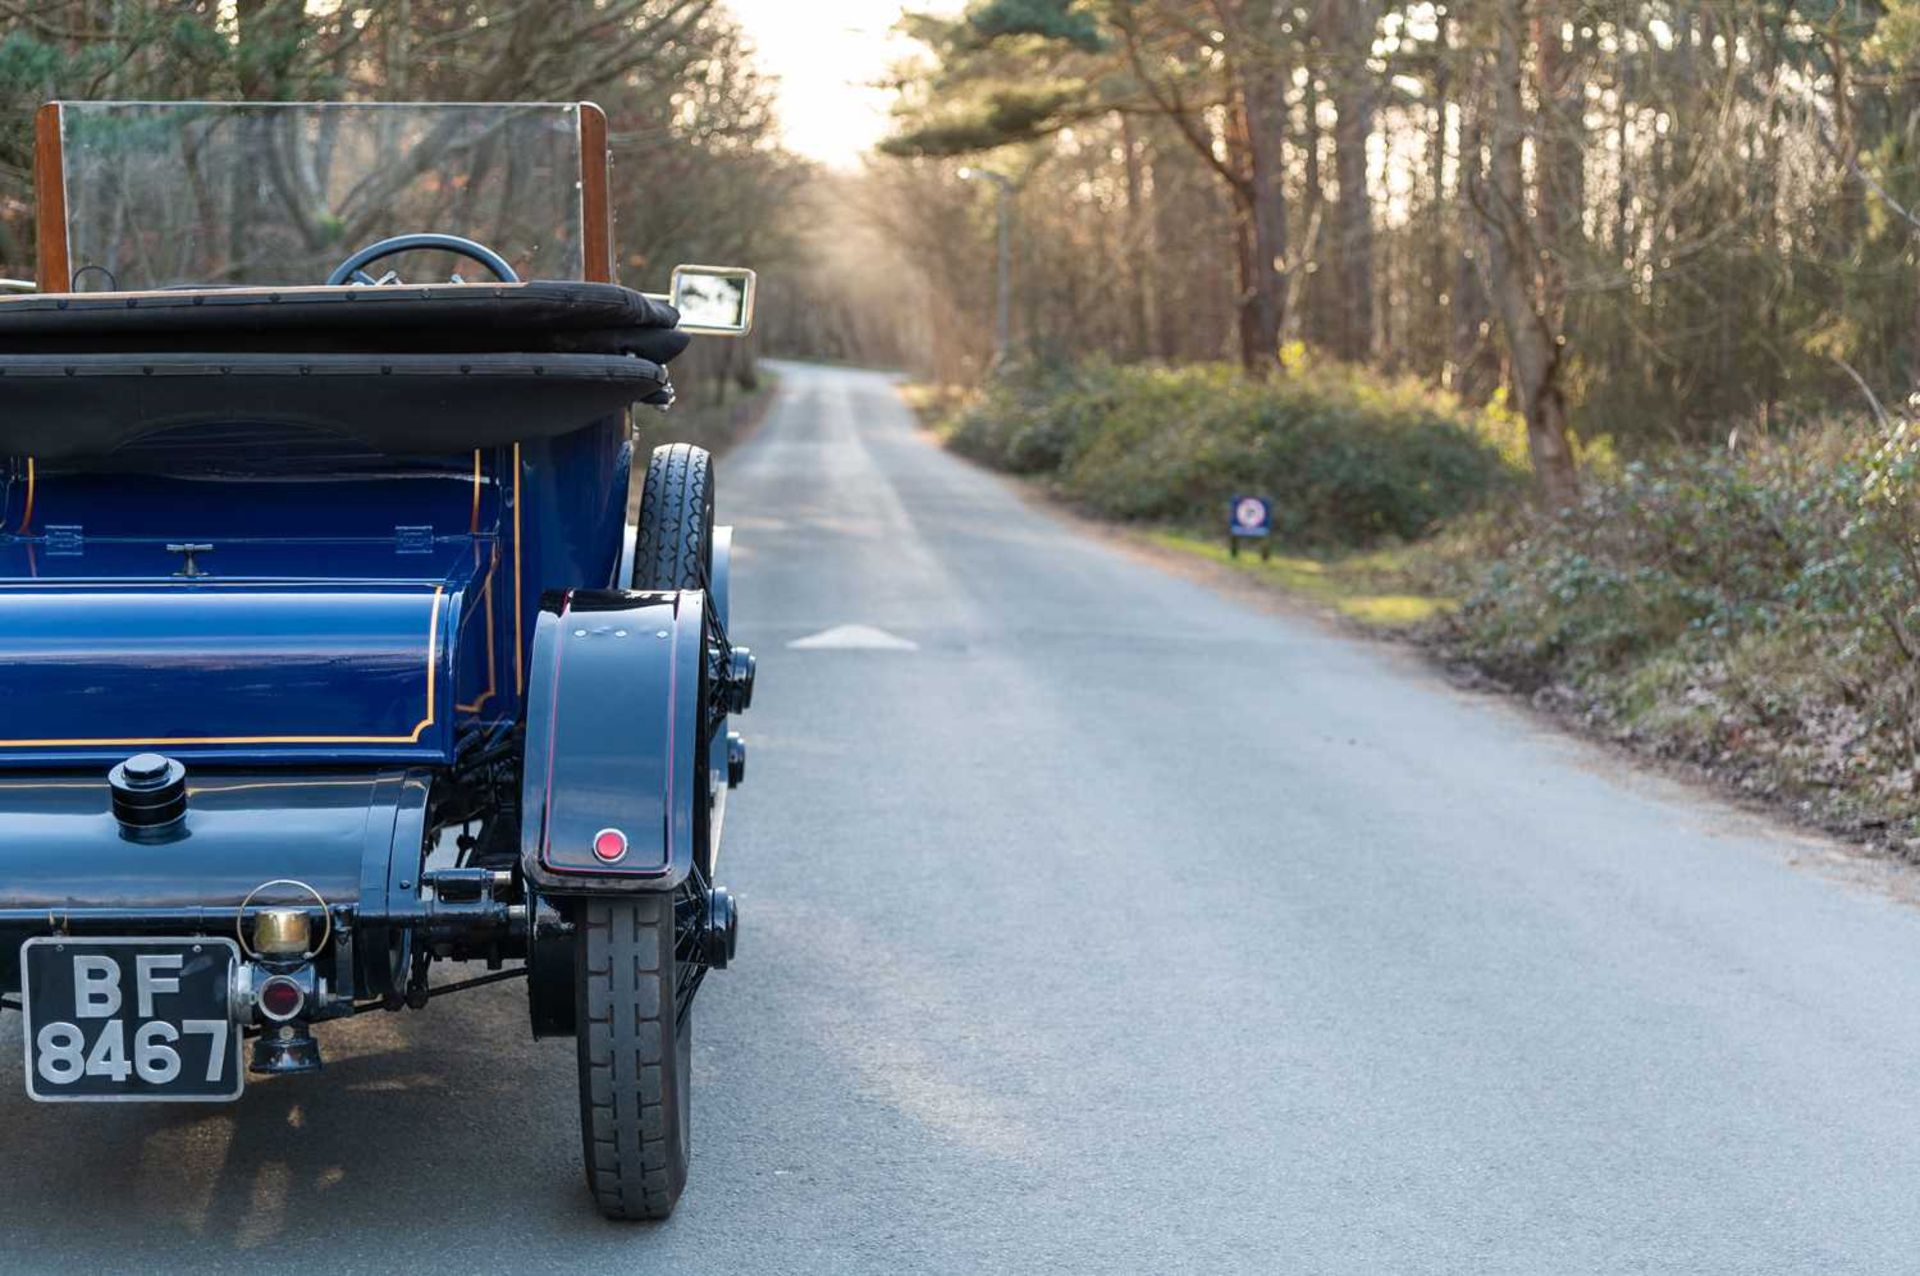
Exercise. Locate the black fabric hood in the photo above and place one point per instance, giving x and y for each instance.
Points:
(404, 370)
(538, 317)
(69, 407)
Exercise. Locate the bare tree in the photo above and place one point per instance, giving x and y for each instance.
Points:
(1525, 277)
(1350, 26)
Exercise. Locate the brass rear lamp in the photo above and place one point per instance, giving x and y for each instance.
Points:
(282, 932)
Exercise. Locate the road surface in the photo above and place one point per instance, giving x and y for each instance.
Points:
(1112, 926)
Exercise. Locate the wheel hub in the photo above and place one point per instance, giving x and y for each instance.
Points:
(722, 930)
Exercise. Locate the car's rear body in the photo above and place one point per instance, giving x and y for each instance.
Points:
(325, 654)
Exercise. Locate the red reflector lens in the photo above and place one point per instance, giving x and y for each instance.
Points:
(281, 998)
(610, 845)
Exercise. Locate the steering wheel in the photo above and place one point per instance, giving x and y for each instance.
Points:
(354, 268)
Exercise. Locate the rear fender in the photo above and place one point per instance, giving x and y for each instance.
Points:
(616, 741)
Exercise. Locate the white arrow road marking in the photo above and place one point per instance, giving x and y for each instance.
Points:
(853, 638)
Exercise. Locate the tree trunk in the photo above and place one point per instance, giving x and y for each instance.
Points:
(1322, 315)
(1136, 252)
(1178, 195)
(1261, 116)
(1524, 276)
(1430, 333)
(1252, 315)
(1473, 366)
(1560, 197)
(1353, 104)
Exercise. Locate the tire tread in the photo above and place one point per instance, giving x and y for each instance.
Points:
(628, 1057)
(676, 519)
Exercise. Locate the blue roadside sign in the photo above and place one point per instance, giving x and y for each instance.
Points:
(1252, 516)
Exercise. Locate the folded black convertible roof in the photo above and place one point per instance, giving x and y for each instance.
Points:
(558, 317)
(401, 369)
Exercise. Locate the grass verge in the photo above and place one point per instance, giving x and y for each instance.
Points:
(1381, 589)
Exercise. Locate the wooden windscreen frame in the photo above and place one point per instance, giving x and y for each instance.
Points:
(596, 199)
(53, 269)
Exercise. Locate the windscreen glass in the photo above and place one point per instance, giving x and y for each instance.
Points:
(163, 195)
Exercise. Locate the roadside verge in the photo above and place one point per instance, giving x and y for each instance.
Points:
(1736, 621)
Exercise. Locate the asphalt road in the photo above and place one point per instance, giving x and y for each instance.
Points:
(1117, 926)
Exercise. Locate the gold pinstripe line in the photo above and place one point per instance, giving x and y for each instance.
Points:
(519, 610)
(26, 519)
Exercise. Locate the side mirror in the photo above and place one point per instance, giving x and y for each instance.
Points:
(714, 300)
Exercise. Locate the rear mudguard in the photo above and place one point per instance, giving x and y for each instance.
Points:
(614, 792)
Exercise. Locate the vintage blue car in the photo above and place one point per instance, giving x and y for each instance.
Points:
(328, 649)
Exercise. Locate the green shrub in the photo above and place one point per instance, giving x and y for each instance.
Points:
(1759, 610)
(1347, 458)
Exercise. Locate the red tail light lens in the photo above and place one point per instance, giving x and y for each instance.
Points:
(281, 999)
(610, 845)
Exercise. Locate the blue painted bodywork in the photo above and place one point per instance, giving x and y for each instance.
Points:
(351, 834)
(353, 607)
(198, 670)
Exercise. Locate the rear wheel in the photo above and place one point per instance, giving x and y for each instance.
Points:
(635, 1051)
(635, 967)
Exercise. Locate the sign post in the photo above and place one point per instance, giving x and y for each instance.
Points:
(1251, 518)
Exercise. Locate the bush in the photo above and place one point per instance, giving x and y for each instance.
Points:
(1759, 611)
(1347, 458)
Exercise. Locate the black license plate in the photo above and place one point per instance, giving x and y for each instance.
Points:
(130, 1020)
